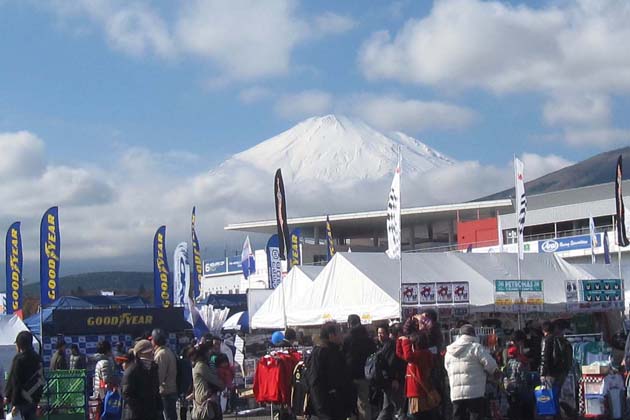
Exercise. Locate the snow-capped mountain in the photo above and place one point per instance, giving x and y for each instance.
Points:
(336, 150)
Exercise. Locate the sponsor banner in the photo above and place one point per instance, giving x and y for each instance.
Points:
(274, 264)
(211, 267)
(409, 294)
(444, 293)
(568, 244)
(196, 268)
(181, 274)
(131, 321)
(284, 237)
(519, 295)
(571, 290)
(426, 293)
(14, 262)
(461, 292)
(49, 256)
(162, 287)
(235, 264)
(600, 295)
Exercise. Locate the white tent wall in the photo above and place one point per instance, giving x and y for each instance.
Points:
(296, 286)
(10, 327)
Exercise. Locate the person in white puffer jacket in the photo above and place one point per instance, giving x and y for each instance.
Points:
(468, 363)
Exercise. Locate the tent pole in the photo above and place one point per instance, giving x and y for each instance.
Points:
(284, 307)
(41, 328)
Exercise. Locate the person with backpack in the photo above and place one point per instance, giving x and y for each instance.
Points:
(25, 385)
(167, 372)
(556, 359)
(390, 373)
(206, 385)
(516, 385)
(331, 394)
(357, 347)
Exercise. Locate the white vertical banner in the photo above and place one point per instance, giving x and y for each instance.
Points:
(393, 217)
(181, 274)
(591, 231)
(521, 201)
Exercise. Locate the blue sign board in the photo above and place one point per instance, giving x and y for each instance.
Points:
(217, 266)
(235, 264)
(569, 243)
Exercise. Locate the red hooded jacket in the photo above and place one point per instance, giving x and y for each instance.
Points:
(418, 367)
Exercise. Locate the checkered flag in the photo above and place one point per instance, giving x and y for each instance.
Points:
(393, 217)
(521, 200)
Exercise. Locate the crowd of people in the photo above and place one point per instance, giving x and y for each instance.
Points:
(147, 382)
(408, 372)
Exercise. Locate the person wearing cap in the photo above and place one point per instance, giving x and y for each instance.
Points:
(141, 385)
(468, 363)
(22, 391)
(515, 384)
(167, 372)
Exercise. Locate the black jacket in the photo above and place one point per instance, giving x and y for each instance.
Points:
(553, 362)
(392, 366)
(24, 367)
(357, 347)
(141, 393)
(331, 395)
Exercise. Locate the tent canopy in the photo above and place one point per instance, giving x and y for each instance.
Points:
(296, 286)
(368, 284)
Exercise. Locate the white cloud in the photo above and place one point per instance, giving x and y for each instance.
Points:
(578, 110)
(537, 165)
(254, 94)
(410, 115)
(602, 137)
(332, 23)
(22, 155)
(304, 104)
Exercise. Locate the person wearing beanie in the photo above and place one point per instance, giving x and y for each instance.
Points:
(515, 384)
(468, 364)
(141, 385)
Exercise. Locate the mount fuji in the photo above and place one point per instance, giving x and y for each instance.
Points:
(336, 151)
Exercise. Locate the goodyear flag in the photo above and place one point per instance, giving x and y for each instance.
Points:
(162, 288)
(393, 217)
(295, 247)
(247, 259)
(181, 274)
(14, 262)
(521, 201)
(284, 238)
(49, 256)
(197, 269)
(622, 237)
(330, 245)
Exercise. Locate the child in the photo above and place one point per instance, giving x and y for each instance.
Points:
(516, 386)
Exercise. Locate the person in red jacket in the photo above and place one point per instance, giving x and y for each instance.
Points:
(418, 373)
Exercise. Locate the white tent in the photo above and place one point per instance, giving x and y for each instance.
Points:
(10, 327)
(296, 286)
(368, 284)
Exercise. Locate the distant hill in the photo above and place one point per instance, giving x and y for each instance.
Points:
(599, 169)
(121, 282)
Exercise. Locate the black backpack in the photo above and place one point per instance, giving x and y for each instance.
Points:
(373, 369)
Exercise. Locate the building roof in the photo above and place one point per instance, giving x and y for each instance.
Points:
(348, 224)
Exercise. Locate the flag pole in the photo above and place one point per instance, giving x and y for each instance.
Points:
(400, 265)
(519, 241)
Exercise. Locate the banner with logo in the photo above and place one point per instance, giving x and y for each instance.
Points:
(181, 274)
(14, 262)
(274, 264)
(162, 287)
(518, 295)
(295, 247)
(602, 294)
(569, 243)
(49, 256)
(330, 244)
(622, 236)
(409, 294)
(212, 267)
(131, 321)
(197, 268)
(436, 294)
(284, 239)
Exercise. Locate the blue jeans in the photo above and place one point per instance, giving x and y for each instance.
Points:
(169, 405)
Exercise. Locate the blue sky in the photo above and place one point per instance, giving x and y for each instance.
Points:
(92, 90)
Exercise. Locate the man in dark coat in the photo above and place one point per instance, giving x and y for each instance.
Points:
(26, 379)
(357, 347)
(392, 372)
(58, 360)
(141, 385)
(330, 385)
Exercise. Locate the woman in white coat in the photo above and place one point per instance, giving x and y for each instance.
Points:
(468, 363)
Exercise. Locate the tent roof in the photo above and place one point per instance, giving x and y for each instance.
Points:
(296, 286)
(368, 284)
(10, 326)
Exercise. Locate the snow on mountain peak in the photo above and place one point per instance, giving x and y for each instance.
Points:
(333, 149)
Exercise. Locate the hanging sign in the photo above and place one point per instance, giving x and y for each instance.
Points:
(600, 295)
(409, 294)
(426, 294)
(518, 295)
